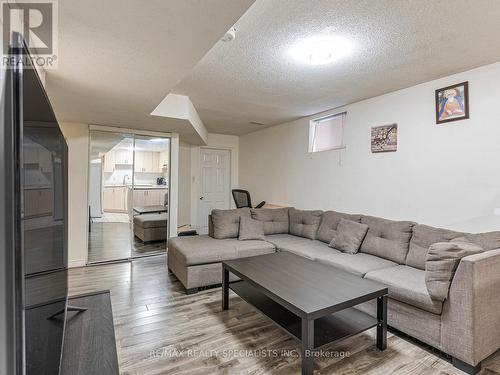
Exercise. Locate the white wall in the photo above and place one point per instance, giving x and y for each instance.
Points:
(443, 175)
(218, 141)
(184, 211)
(77, 138)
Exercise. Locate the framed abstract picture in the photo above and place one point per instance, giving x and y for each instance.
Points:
(385, 138)
(452, 103)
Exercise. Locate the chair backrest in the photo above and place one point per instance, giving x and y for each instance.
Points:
(241, 198)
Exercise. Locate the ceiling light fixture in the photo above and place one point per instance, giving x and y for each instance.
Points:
(321, 50)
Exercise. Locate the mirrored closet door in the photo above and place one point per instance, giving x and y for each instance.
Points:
(128, 195)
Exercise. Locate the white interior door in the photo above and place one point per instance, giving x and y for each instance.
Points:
(215, 184)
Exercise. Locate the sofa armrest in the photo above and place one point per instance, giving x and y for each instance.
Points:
(470, 322)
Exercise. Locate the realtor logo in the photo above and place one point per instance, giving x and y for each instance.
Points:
(36, 21)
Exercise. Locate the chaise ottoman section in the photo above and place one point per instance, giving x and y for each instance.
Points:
(151, 227)
(196, 260)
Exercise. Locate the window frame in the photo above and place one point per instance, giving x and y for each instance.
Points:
(313, 128)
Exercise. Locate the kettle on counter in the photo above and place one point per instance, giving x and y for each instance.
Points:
(161, 181)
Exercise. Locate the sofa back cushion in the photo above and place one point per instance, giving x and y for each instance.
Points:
(329, 223)
(304, 223)
(423, 237)
(387, 239)
(275, 220)
(488, 240)
(226, 223)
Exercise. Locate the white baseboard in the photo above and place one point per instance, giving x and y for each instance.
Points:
(77, 263)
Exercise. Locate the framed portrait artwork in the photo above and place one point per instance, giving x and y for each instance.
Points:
(452, 103)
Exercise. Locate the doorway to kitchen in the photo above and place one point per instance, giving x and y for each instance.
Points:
(128, 195)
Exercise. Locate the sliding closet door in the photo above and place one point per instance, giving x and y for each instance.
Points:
(111, 158)
(150, 195)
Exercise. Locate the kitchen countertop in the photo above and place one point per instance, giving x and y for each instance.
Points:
(138, 187)
(142, 187)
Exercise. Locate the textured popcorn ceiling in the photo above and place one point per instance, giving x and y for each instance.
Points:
(397, 43)
(118, 59)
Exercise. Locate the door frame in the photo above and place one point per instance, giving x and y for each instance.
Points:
(134, 132)
(200, 176)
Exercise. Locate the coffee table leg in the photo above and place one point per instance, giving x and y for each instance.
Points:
(307, 346)
(225, 288)
(382, 322)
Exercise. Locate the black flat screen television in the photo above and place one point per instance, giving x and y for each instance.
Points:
(34, 224)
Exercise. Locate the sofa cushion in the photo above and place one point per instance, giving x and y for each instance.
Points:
(358, 264)
(442, 262)
(275, 220)
(387, 238)
(151, 220)
(226, 223)
(250, 229)
(407, 284)
(195, 250)
(329, 222)
(305, 247)
(304, 223)
(488, 240)
(349, 236)
(423, 237)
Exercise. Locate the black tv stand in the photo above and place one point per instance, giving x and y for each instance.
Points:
(89, 341)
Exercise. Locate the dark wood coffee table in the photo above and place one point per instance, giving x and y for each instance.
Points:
(311, 301)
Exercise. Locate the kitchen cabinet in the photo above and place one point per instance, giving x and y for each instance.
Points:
(155, 162)
(109, 162)
(36, 154)
(163, 160)
(38, 202)
(124, 157)
(149, 197)
(147, 162)
(114, 199)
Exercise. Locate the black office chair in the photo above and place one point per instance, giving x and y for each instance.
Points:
(242, 199)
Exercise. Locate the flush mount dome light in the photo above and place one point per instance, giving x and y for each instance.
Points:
(321, 50)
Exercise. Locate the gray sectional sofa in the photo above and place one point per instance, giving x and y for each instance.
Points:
(466, 325)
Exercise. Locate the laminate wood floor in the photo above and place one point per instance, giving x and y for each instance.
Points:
(112, 241)
(160, 330)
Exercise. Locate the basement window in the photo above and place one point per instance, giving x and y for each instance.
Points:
(327, 133)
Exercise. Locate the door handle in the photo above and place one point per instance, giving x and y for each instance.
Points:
(201, 198)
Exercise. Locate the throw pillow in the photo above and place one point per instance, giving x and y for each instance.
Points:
(442, 262)
(349, 236)
(226, 223)
(251, 229)
(304, 223)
